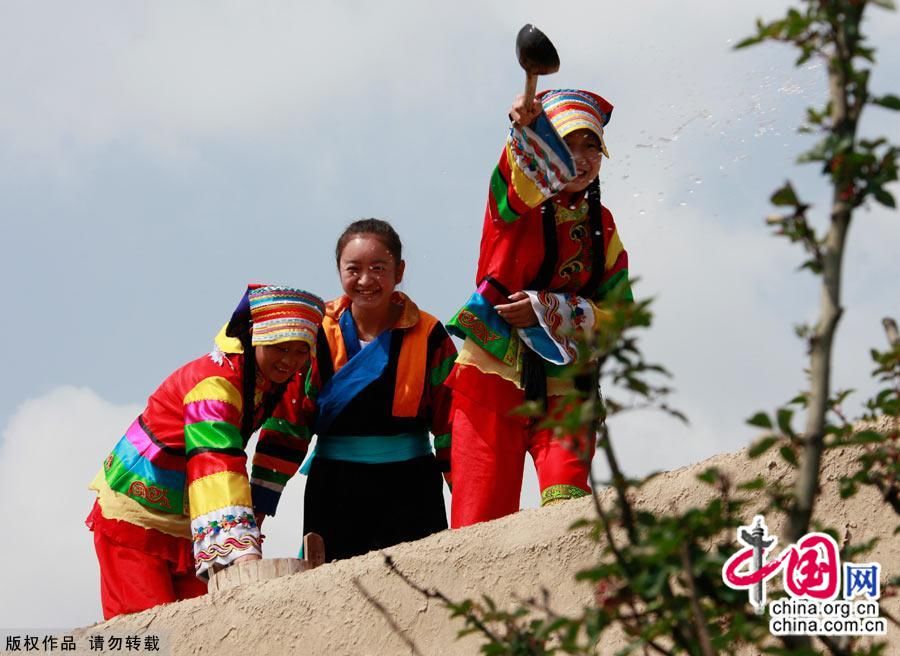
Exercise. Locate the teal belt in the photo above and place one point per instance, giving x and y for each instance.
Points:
(369, 449)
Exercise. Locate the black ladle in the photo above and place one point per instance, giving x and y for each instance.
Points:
(537, 56)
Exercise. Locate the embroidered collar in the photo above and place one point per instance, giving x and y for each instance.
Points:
(409, 316)
(571, 200)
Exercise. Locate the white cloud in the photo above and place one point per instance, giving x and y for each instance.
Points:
(50, 450)
(727, 298)
(168, 75)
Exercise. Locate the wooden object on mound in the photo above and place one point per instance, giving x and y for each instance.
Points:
(254, 571)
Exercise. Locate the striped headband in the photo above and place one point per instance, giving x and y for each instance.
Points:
(573, 109)
(276, 314)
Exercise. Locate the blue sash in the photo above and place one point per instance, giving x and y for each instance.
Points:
(364, 366)
(374, 449)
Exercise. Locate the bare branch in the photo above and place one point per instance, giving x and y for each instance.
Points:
(835, 646)
(619, 484)
(706, 647)
(387, 616)
(890, 327)
(440, 596)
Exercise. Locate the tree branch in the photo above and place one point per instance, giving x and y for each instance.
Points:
(387, 616)
(700, 628)
(440, 596)
(890, 328)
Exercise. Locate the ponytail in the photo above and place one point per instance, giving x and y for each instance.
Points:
(594, 199)
(248, 387)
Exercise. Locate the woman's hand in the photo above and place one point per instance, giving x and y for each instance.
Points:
(522, 113)
(519, 313)
(259, 517)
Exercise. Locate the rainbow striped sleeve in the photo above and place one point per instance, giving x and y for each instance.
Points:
(281, 447)
(534, 166)
(221, 509)
(441, 358)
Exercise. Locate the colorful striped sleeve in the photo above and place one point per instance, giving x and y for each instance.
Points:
(534, 166)
(281, 447)
(441, 358)
(221, 509)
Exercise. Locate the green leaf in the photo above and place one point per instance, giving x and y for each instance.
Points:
(749, 41)
(848, 488)
(785, 196)
(784, 421)
(529, 409)
(889, 101)
(761, 420)
(757, 483)
(789, 456)
(761, 446)
(886, 4)
(801, 399)
(866, 437)
(709, 475)
(884, 197)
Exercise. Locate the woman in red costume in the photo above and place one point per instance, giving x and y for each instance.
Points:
(550, 256)
(173, 498)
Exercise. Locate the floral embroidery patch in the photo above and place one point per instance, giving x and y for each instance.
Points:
(227, 523)
(577, 316)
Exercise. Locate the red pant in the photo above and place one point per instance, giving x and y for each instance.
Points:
(488, 458)
(135, 578)
(132, 581)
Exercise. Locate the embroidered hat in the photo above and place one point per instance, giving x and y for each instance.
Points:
(573, 109)
(276, 314)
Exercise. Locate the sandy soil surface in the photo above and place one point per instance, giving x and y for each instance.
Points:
(325, 611)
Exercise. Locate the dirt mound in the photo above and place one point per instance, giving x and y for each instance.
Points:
(325, 611)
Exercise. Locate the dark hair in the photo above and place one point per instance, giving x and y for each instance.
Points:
(533, 376)
(594, 209)
(248, 390)
(382, 230)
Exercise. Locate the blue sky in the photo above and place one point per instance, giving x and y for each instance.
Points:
(155, 157)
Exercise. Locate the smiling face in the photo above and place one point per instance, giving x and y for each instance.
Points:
(587, 151)
(278, 362)
(369, 272)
